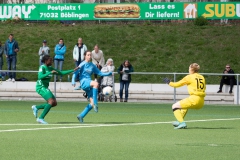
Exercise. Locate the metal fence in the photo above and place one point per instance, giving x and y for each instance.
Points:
(154, 73)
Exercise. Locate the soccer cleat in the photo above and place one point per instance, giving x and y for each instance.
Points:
(41, 121)
(78, 88)
(219, 91)
(175, 123)
(80, 119)
(35, 111)
(95, 107)
(85, 95)
(181, 125)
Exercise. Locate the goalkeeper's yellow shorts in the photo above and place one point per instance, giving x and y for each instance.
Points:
(192, 102)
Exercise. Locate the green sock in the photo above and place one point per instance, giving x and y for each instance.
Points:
(41, 106)
(45, 111)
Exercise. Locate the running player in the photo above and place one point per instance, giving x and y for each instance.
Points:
(45, 73)
(86, 69)
(196, 88)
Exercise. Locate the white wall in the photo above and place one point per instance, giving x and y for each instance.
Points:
(133, 87)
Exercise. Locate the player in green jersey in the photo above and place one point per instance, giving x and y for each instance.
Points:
(45, 73)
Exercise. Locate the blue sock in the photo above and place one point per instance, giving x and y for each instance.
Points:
(86, 110)
(95, 95)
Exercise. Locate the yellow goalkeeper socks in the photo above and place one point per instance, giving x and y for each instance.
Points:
(184, 112)
(177, 113)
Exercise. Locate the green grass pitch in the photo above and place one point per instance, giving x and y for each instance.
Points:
(120, 131)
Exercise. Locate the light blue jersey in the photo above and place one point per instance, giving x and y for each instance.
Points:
(86, 70)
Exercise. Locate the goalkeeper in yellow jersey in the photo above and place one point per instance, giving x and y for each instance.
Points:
(196, 88)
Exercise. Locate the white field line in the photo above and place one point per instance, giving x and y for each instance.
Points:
(72, 126)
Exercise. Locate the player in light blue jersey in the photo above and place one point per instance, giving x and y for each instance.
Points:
(86, 69)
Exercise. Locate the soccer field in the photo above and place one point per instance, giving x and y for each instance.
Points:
(119, 131)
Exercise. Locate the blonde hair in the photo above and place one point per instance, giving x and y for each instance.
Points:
(109, 60)
(195, 67)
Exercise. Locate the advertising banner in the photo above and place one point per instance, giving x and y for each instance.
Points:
(227, 10)
(106, 11)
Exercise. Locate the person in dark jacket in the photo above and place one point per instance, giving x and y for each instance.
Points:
(227, 79)
(1, 55)
(125, 78)
(10, 50)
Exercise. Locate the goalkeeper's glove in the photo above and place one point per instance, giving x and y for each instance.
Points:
(166, 80)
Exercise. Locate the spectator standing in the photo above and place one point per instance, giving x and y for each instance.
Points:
(78, 53)
(125, 78)
(1, 55)
(44, 50)
(97, 59)
(60, 50)
(227, 79)
(11, 49)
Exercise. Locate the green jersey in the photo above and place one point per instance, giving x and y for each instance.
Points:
(45, 75)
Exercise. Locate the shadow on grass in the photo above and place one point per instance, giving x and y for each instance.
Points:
(94, 122)
(210, 128)
(112, 122)
(68, 122)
